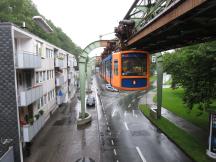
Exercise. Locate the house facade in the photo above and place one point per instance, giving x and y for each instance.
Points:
(35, 78)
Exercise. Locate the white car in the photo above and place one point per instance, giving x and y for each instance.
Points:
(90, 101)
(110, 88)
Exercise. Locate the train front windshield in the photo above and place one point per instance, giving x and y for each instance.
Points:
(134, 64)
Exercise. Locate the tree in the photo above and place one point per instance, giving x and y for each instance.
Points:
(194, 68)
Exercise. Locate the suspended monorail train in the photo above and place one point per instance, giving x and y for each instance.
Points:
(127, 70)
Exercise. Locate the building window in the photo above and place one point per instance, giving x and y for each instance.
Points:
(41, 102)
(48, 74)
(116, 67)
(37, 77)
(45, 99)
(38, 104)
(44, 75)
(41, 76)
(39, 49)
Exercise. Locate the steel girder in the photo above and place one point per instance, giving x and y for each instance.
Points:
(144, 11)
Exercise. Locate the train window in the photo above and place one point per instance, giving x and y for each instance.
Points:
(116, 67)
(134, 64)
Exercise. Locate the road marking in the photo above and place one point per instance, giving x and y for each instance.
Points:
(114, 151)
(129, 105)
(140, 154)
(108, 128)
(112, 142)
(133, 112)
(126, 125)
(125, 113)
(107, 123)
(113, 113)
(136, 116)
(110, 133)
(117, 161)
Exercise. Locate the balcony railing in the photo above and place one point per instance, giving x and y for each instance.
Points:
(27, 60)
(69, 76)
(30, 95)
(60, 99)
(59, 80)
(29, 131)
(59, 63)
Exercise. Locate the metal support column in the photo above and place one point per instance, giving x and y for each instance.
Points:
(159, 84)
(89, 68)
(83, 59)
(82, 77)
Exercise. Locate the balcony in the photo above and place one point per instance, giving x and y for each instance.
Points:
(29, 131)
(59, 63)
(30, 95)
(59, 80)
(70, 88)
(69, 76)
(27, 60)
(60, 99)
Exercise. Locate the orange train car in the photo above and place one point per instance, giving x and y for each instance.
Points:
(127, 70)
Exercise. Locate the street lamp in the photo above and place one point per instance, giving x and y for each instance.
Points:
(42, 23)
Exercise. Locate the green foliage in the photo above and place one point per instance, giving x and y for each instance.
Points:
(194, 68)
(173, 101)
(18, 11)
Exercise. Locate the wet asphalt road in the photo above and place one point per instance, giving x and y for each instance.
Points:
(127, 136)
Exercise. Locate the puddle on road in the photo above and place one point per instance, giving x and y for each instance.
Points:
(84, 159)
(140, 133)
(65, 121)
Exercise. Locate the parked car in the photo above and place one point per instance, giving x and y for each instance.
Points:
(110, 88)
(90, 101)
(114, 89)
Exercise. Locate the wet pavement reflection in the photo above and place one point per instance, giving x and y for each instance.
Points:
(127, 135)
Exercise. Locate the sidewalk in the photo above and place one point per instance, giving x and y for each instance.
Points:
(178, 121)
(62, 141)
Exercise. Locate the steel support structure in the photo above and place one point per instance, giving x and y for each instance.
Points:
(159, 84)
(83, 60)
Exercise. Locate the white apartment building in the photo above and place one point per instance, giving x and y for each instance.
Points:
(61, 76)
(72, 76)
(43, 79)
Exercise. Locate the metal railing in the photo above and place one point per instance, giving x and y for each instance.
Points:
(59, 63)
(145, 11)
(27, 60)
(60, 80)
(30, 131)
(60, 99)
(30, 95)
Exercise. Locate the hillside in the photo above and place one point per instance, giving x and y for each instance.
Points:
(23, 10)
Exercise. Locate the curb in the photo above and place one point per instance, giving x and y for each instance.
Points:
(85, 120)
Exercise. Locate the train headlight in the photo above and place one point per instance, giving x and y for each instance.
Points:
(134, 82)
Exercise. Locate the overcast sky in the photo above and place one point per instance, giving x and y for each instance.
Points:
(84, 20)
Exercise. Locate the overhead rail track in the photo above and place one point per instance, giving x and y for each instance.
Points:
(161, 25)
